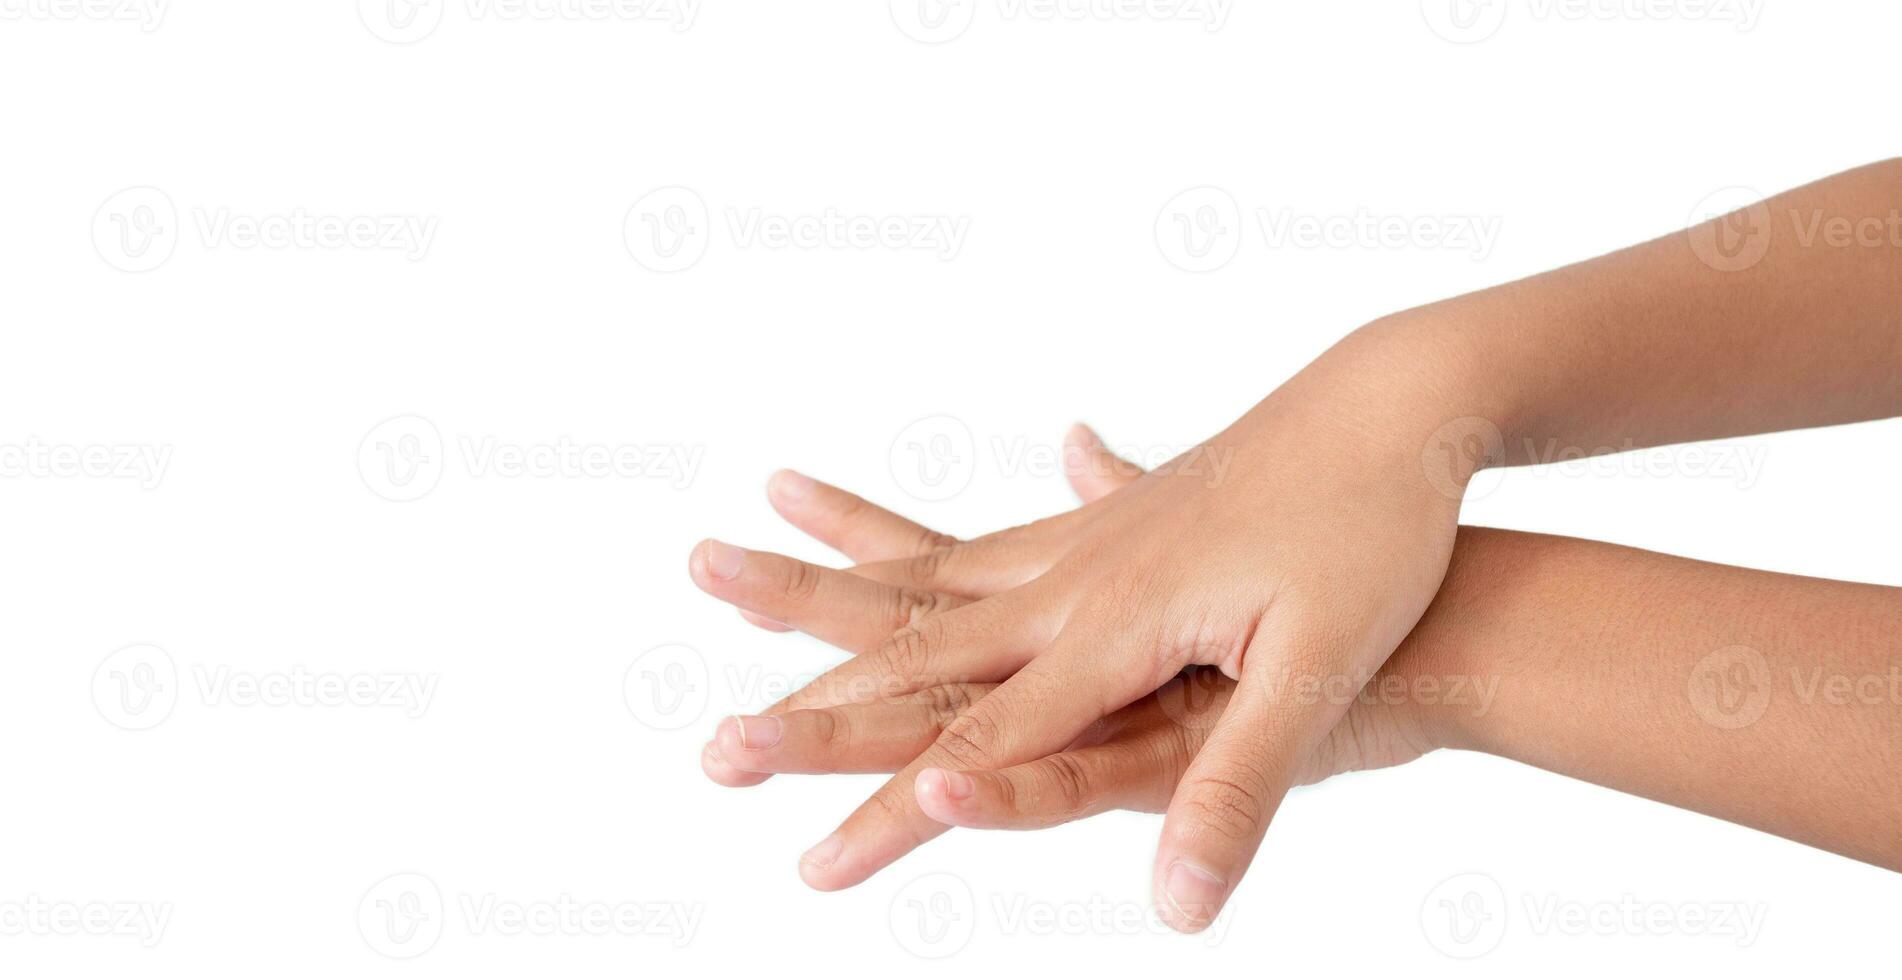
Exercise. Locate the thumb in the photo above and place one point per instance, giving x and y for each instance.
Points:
(1093, 470)
(1222, 806)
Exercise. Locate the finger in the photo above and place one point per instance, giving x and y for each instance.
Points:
(846, 522)
(843, 609)
(1039, 710)
(1222, 807)
(882, 736)
(973, 569)
(982, 642)
(725, 773)
(1124, 775)
(1136, 768)
(1093, 470)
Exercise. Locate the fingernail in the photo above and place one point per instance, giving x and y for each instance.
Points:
(757, 731)
(790, 485)
(955, 785)
(825, 852)
(723, 560)
(1195, 893)
(1084, 436)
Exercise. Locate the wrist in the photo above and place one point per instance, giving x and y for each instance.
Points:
(1414, 391)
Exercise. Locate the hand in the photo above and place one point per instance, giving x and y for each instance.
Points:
(1132, 760)
(1237, 555)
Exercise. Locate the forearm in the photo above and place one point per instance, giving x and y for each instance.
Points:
(1770, 700)
(1693, 336)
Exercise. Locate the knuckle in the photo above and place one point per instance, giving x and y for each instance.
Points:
(913, 606)
(925, 566)
(802, 581)
(1226, 809)
(832, 730)
(947, 701)
(967, 741)
(908, 654)
(930, 541)
(1069, 783)
(891, 808)
(850, 507)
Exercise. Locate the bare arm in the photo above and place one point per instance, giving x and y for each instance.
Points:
(1787, 314)
(1770, 700)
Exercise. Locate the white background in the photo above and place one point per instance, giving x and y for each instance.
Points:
(267, 547)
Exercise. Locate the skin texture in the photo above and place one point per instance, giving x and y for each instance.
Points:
(1313, 551)
(1517, 656)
